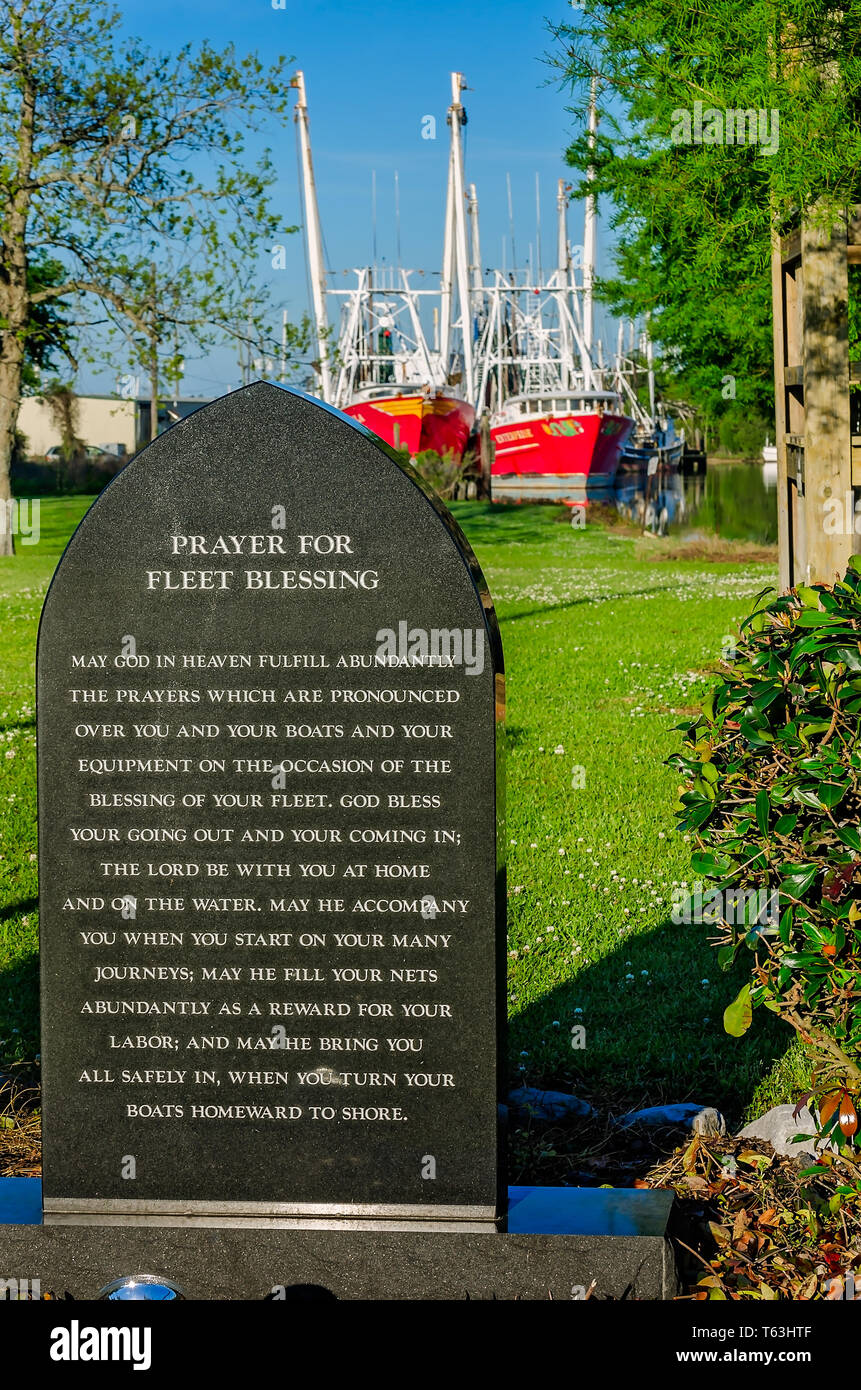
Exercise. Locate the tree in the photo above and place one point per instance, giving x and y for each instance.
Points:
(49, 333)
(111, 151)
(64, 410)
(180, 304)
(694, 208)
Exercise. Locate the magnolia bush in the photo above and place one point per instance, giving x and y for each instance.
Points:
(771, 797)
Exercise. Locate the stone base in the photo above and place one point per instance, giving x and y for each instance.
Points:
(559, 1241)
(283, 1216)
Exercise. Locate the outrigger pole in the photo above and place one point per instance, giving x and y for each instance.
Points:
(589, 245)
(313, 240)
(457, 191)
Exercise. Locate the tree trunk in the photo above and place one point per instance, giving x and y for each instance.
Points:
(11, 361)
(14, 306)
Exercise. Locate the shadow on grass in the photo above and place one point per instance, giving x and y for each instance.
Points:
(17, 909)
(498, 523)
(585, 602)
(652, 1010)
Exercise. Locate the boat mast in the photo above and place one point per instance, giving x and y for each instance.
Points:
(650, 362)
(563, 259)
(475, 242)
(447, 276)
(589, 244)
(456, 119)
(313, 240)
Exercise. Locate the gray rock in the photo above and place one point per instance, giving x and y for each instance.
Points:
(778, 1128)
(548, 1105)
(699, 1119)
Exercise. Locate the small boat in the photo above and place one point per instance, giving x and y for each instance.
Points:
(648, 481)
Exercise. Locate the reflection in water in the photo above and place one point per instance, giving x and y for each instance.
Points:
(735, 501)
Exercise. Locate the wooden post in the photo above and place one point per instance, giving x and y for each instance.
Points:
(827, 438)
(811, 389)
(485, 457)
(784, 501)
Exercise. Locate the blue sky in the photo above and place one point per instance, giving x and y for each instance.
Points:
(373, 71)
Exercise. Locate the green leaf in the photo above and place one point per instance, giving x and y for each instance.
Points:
(786, 824)
(738, 1015)
(832, 792)
(809, 597)
(808, 619)
(849, 836)
(711, 865)
(763, 807)
(796, 884)
(850, 656)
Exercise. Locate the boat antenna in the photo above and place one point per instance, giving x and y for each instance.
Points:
(398, 219)
(511, 223)
(538, 227)
(374, 218)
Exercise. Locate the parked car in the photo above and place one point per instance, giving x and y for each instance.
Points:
(55, 453)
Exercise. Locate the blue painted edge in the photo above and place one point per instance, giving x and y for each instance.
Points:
(580, 1211)
(20, 1201)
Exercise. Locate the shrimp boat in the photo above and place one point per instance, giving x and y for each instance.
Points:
(383, 372)
(415, 419)
(562, 446)
(649, 487)
(557, 430)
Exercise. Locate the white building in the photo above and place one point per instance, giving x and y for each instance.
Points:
(107, 422)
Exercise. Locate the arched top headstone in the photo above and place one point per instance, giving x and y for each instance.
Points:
(272, 911)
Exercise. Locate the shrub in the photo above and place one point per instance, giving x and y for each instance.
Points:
(442, 471)
(772, 769)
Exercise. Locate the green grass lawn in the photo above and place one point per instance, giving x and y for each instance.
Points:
(605, 652)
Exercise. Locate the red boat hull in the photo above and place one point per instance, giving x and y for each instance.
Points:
(417, 422)
(567, 457)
